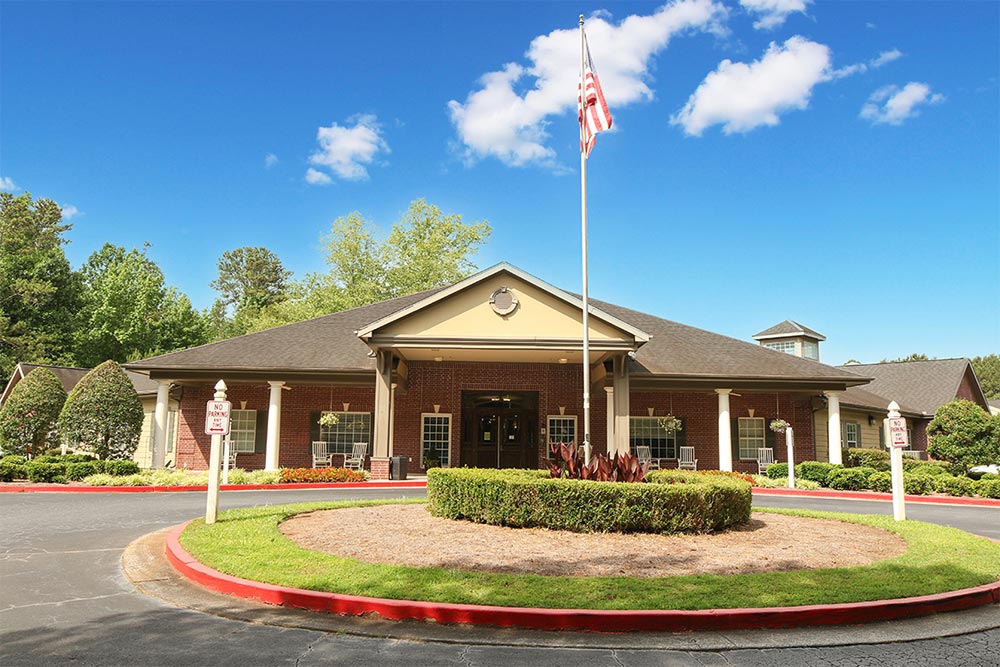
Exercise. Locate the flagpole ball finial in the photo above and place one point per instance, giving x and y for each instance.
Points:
(581, 19)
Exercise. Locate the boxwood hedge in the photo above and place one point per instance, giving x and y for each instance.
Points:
(674, 501)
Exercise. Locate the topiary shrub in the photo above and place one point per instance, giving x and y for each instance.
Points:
(77, 471)
(46, 473)
(777, 471)
(988, 488)
(868, 458)
(816, 471)
(30, 414)
(122, 467)
(954, 486)
(103, 414)
(849, 479)
(674, 501)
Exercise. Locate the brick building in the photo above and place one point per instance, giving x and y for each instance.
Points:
(488, 372)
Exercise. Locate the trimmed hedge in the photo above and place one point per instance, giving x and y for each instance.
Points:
(674, 501)
(777, 471)
(301, 475)
(868, 458)
(816, 471)
(48, 473)
(849, 479)
(988, 488)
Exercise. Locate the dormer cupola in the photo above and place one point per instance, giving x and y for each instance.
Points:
(793, 338)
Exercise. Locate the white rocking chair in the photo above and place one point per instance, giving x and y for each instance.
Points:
(356, 461)
(321, 457)
(765, 459)
(687, 461)
(646, 457)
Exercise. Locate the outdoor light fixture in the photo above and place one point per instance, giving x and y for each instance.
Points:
(871, 420)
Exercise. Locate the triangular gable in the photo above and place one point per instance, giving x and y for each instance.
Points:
(464, 313)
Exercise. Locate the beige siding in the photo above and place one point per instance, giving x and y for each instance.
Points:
(869, 433)
(143, 454)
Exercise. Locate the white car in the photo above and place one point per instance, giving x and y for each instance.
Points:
(984, 469)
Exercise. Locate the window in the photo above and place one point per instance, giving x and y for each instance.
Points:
(436, 437)
(810, 349)
(562, 428)
(751, 437)
(851, 435)
(352, 427)
(243, 430)
(787, 346)
(647, 431)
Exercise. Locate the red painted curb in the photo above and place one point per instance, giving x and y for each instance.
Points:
(578, 619)
(62, 488)
(871, 495)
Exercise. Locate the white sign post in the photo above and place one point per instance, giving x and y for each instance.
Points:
(898, 441)
(226, 444)
(216, 425)
(790, 446)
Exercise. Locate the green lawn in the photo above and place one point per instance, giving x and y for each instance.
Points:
(247, 543)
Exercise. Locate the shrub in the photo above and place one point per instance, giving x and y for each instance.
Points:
(988, 488)
(881, 482)
(963, 433)
(103, 413)
(806, 484)
(868, 458)
(766, 482)
(49, 473)
(926, 468)
(304, 475)
(918, 485)
(77, 471)
(120, 467)
(849, 479)
(675, 501)
(11, 470)
(816, 471)
(568, 461)
(778, 471)
(989, 475)
(954, 486)
(29, 416)
(746, 477)
(909, 464)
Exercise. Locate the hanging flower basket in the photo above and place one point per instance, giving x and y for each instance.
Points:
(780, 426)
(670, 424)
(329, 419)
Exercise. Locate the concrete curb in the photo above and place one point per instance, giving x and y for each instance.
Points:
(871, 495)
(579, 619)
(62, 488)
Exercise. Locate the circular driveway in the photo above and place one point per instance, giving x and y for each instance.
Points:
(64, 600)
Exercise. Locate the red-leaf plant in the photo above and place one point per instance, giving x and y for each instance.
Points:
(568, 461)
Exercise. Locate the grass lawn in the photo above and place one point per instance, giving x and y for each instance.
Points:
(247, 543)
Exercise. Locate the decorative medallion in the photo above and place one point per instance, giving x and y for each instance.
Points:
(503, 301)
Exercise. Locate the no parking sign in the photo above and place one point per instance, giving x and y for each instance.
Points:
(217, 417)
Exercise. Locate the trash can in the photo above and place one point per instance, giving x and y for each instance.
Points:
(398, 467)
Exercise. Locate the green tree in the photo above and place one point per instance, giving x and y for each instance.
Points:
(962, 433)
(103, 414)
(128, 312)
(251, 277)
(29, 417)
(424, 250)
(988, 371)
(916, 356)
(39, 293)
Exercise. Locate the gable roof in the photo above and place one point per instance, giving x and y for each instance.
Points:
(331, 344)
(69, 376)
(788, 328)
(920, 386)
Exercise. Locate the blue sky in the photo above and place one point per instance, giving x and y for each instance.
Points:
(835, 163)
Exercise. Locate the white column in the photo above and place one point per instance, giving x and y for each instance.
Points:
(833, 427)
(392, 415)
(725, 432)
(610, 418)
(383, 407)
(160, 415)
(273, 425)
(622, 407)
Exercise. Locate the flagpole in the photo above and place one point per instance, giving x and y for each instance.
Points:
(583, 223)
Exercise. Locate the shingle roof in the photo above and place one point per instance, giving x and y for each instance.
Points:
(69, 377)
(919, 386)
(329, 344)
(788, 328)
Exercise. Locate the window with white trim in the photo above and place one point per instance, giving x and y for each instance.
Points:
(436, 438)
(810, 349)
(242, 430)
(850, 435)
(561, 428)
(351, 427)
(751, 437)
(647, 431)
(787, 346)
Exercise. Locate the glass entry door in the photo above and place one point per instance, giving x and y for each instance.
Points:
(499, 429)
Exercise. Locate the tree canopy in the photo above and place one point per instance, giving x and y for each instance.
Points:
(964, 434)
(251, 277)
(29, 417)
(988, 371)
(103, 414)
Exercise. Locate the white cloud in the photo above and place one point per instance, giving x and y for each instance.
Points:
(886, 57)
(773, 13)
(508, 116)
(270, 160)
(741, 97)
(7, 185)
(317, 177)
(881, 59)
(891, 105)
(68, 211)
(345, 150)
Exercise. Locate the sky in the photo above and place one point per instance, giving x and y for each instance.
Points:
(833, 163)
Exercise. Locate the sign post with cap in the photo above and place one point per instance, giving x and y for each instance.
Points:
(898, 440)
(217, 415)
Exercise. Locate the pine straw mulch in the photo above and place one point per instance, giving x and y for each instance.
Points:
(409, 535)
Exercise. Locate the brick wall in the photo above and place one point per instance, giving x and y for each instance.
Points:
(431, 383)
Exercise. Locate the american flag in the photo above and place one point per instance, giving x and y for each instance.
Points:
(593, 109)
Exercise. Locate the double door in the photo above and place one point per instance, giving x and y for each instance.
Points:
(499, 429)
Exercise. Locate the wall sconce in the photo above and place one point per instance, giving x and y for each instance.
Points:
(871, 420)
(650, 411)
